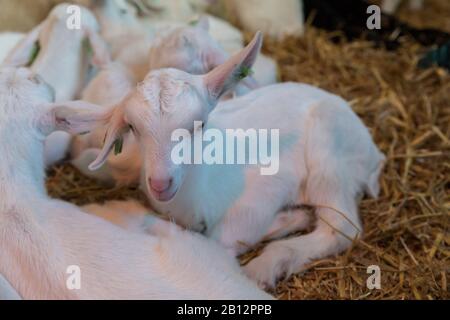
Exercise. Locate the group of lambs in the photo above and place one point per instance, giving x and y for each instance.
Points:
(135, 88)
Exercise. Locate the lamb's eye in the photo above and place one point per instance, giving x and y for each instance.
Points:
(131, 127)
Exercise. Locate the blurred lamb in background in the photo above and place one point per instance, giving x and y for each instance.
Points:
(267, 16)
(391, 6)
(188, 48)
(129, 27)
(274, 19)
(62, 57)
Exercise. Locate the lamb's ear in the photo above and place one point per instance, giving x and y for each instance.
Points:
(101, 55)
(227, 75)
(216, 57)
(78, 117)
(113, 138)
(25, 51)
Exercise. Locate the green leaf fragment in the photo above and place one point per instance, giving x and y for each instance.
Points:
(193, 22)
(244, 72)
(34, 53)
(87, 46)
(118, 145)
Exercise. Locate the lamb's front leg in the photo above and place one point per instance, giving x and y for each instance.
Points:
(242, 227)
(334, 232)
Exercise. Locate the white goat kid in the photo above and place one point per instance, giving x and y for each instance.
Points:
(130, 35)
(273, 19)
(109, 87)
(190, 49)
(269, 16)
(61, 56)
(327, 158)
(128, 38)
(40, 237)
(195, 50)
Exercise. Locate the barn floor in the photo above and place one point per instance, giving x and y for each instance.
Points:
(408, 113)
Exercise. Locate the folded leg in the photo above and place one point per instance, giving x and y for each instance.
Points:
(334, 233)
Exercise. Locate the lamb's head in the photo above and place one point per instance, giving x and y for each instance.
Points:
(190, 48)
(165, 102)
(45, 42)
(27, 106)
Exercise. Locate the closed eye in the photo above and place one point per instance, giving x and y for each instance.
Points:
(132, 128)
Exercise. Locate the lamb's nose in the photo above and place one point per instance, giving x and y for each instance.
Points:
(160, 185)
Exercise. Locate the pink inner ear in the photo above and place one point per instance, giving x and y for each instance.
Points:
(117, 127)
(78, 116)
(227, 75)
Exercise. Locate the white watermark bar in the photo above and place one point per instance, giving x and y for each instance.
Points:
(233, 147)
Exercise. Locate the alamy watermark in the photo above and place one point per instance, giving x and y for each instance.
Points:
(235, 146)
(374, 20)
(73, 281)
(374, 280)
(73, 22)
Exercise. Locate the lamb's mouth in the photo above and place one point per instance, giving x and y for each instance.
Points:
(164, 196)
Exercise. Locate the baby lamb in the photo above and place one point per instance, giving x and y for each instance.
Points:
(327, 159)
(61, 56)
(191, 49)
(41, 237)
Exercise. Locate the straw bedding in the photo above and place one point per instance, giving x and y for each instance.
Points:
(406, 230)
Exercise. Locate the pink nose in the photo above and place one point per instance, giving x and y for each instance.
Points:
(160, 185)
